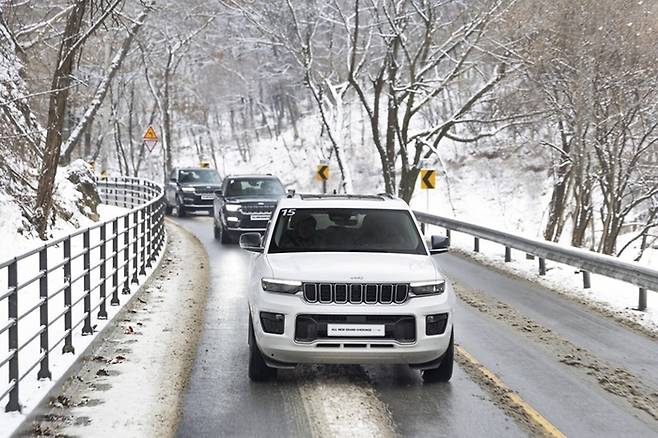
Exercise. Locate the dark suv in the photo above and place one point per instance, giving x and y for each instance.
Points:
(191, 189)
(245, 205)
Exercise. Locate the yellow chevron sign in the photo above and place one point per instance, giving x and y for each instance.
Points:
(427, 179)
(322, 172)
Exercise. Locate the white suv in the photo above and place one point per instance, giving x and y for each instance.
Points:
(348, 280)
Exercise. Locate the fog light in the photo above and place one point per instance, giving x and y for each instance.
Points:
(436, 324)
(232, 219)
(272, 322)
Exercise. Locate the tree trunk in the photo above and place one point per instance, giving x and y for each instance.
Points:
(557, 206)
(56, 114)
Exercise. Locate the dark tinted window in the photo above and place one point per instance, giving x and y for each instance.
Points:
(253, 187)
(345, 230)
(198, 176)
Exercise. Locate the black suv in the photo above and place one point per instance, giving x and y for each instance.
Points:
(191, 189)
(245, 205)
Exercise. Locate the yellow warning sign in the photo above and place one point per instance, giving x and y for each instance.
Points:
(427, 179)
(322, 172)
(150, 134)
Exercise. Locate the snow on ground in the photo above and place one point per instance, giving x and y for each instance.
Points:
(15, 240)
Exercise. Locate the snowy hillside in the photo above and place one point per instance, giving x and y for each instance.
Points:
(75, 198)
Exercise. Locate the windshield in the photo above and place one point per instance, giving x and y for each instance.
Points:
(198, 176)
(345, 230)
(254, 187)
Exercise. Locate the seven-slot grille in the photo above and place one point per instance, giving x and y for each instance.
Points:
(266, 208)
(356, 293)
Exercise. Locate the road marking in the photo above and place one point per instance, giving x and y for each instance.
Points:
(538, 419)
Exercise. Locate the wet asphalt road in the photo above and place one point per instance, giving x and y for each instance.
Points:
(221, 401)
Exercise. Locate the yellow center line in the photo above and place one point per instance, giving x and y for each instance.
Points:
(531, 412)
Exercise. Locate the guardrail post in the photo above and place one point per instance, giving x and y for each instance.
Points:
(86, 328)
(135, 280)
(508, 254)
(476, 244)
(44, 369)
(642, 299)
(68, 339)
(115, 263)
(542, 266)
(142, 270)
(149, 236)
(102, 311)
(126, 254)
(159, 226)
(587, 282)
(12, 305)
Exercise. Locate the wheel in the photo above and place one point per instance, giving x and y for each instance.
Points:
(225, 237)
(180, 209)
(167, 209)
(258, 369)
(444, 372)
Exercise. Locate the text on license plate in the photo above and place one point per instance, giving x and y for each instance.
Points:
(207, 197)
(260, 217)
(366, 330)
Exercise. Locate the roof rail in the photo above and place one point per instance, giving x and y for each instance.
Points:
(378, 197)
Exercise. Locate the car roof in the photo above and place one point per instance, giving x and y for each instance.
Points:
(381, 201)
(196, 168)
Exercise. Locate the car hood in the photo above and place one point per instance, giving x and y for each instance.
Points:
(352, 267)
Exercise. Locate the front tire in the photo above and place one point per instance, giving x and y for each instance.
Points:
(167, 209)
(225, 237)
(258, 369)
(444, 372)
(180, 209)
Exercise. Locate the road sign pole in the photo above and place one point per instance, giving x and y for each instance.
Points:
(324, 186)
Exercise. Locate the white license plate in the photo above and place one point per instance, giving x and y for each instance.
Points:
(208, 197)
(260, 217)
(348, 330)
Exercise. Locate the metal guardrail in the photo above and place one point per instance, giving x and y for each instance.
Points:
(125, 246)
(587, 261)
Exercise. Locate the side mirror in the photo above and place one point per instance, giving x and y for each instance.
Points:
(251, 242)
(439, 244)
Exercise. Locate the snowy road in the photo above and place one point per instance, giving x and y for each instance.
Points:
(571, 372)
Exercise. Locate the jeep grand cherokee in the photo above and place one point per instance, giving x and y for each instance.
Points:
(347, 280)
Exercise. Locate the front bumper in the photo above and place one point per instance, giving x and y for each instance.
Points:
(284, 349)
(195, 202)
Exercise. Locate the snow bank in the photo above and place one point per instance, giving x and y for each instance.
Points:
(75, 205)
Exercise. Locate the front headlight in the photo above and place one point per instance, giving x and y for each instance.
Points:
(422, 288)
(232, 207)
(188, 189)
(281, 286)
